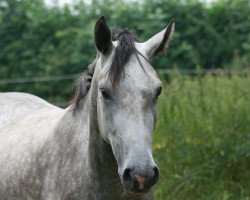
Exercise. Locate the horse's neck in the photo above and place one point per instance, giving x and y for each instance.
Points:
(104, 172)
(94, 157)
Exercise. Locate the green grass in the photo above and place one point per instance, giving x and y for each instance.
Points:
(202, 140)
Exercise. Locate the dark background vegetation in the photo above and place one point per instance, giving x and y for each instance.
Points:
(202, 139)
(37, 40)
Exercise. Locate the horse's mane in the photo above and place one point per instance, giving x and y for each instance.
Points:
(123, 51)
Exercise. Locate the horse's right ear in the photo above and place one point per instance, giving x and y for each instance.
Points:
(102, 36)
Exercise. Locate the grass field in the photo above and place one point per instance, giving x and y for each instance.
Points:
(202, 140)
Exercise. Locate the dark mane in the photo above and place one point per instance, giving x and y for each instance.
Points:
(123, 51)
(82, 85)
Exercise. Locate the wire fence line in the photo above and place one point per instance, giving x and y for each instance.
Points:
(38, 79)
(74, 76)
(64, 104)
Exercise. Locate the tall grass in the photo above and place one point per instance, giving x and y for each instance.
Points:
(202, 141)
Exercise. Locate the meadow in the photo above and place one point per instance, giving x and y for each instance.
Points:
(202, 139)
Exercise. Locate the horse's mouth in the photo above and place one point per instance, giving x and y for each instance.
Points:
(137, 193)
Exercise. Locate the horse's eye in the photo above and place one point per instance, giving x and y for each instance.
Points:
(105, 94)
(158, 91)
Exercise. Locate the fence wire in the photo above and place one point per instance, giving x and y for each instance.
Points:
(64, 104)
(74, 76)
(38, 79)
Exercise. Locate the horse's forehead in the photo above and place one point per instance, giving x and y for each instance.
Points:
(140, 72)
(140, 68)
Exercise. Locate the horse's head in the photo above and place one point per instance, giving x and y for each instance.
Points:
(128, 88)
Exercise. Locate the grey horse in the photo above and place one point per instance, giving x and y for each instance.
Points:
(99, 148)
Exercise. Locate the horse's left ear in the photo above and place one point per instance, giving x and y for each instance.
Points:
(102, 36)
(159, 42)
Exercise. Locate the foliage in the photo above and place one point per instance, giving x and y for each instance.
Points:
(37, 40)
(41, 41)
(202, 141)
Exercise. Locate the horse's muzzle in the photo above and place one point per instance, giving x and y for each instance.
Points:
(138, 182)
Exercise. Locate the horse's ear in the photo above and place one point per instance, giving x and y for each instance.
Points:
(102, 36)
(159, 42)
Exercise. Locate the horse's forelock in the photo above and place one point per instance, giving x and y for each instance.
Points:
(123, 51)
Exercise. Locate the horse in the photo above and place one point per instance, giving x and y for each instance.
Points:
(100, 146)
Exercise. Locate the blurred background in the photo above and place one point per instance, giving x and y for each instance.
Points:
(202, 140)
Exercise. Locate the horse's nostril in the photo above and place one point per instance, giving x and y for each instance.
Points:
(138, 179)
(127, 174)
(156, 174)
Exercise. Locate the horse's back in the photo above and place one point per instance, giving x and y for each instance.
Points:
(26, 124)
(15, 106)
(25, 115)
